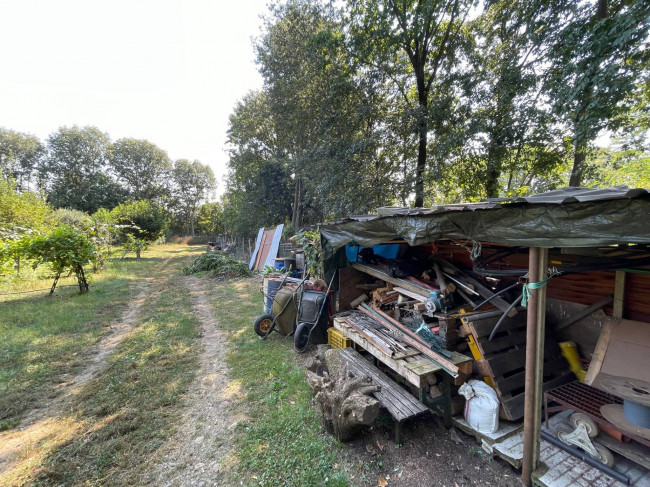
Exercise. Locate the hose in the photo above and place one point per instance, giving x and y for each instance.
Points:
(503, 316)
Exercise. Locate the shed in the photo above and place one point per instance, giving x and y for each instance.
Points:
(596, 237)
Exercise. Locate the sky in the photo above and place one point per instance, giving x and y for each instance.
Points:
(168, 71)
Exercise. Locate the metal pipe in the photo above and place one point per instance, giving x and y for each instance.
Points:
(542, 265)
(504, 315)
(527, 462)
(586, 458)
(495, 295)
(452, 278)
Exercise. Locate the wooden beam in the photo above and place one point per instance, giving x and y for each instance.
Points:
(619, 294)
(406, 335)
(583, 312)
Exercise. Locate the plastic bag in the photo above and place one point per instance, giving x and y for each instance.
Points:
(481, 406)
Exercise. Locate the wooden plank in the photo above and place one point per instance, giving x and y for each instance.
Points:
(482, 328)
(632, 450)
(450, 367)
(619, 294)
(514, 407)
(379, 273)
(516, 381)
(584, 312)
(401, 404)
(275, 245)
(258, 241)
(599, 353)
(399, 366)
(502, 343)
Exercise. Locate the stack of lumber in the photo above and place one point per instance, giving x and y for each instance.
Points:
(384, 295)
(502, 360)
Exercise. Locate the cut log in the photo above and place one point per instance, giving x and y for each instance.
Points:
(343, 400)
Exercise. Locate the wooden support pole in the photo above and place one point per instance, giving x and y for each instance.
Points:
(542, 265)
(619, 294)
(529, 398)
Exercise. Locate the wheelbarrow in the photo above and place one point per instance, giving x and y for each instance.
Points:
(312, 322)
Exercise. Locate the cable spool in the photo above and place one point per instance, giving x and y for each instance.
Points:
(634, 415)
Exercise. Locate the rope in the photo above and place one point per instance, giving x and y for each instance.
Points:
(552, 272)
(475, 253)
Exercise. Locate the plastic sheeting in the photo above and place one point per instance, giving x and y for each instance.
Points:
(573, 217)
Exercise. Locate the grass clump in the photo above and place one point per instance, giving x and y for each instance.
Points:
(282, 442)
(218, 264)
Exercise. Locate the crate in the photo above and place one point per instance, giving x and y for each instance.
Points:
(337, 339)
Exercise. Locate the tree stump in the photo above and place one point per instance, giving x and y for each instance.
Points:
(343, 399)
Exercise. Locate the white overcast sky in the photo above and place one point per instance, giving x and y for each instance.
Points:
(169, 71)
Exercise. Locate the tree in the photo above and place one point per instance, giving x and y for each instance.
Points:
(20, 156)
(599, 59)
(210, 219)
(142, 168)
(65, 249)
(140, 222)
(22, 215)
(193, 183)
(76, 170)
(428, 34)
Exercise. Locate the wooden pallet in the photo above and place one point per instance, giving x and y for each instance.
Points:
(503, 359)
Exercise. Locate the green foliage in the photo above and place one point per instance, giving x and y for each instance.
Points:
(77, 170)
(210, 219)
(142, 168)
(310, 242)
(193, 183)
(20, 156)
(64, 249)
(140, 224)
(218, 264)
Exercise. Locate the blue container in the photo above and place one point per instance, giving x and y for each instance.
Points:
(278, 264)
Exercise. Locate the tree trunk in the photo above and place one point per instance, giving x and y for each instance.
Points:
(343, 400)
(297, 206)
(137, 252)
(579, 158)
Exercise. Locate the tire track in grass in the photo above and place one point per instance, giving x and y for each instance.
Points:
(35, 425)
(194, 455)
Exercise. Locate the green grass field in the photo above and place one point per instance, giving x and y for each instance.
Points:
(110, 430)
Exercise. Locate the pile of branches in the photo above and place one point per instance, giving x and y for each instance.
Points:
(218, 264)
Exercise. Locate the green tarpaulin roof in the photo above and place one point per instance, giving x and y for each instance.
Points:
(569, 217)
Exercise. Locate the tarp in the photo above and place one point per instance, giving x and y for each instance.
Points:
(571, 217)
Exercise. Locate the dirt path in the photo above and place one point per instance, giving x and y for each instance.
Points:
(34, 421)
(194, 455)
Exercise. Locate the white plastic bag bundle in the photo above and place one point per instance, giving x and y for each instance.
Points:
(481, 406)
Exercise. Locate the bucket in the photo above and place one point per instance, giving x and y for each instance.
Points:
(271, 286)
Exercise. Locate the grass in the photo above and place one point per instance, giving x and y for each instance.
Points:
(117, 421)
(43, 338)
(130, 409)
(282, 442)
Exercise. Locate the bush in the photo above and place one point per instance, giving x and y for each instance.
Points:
(65, 249)
(218, 264)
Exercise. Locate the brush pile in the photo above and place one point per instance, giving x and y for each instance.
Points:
(218, 264)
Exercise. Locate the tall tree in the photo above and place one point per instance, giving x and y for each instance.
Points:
(76, 170)
(428, 34)
(193, 184)
(142, 167)
(20, 156)
(598, 61)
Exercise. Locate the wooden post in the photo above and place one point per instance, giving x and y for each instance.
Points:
(542, 265)
(619, 294)
(528, 460)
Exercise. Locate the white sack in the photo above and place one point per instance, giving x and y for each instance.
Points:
(481, 406)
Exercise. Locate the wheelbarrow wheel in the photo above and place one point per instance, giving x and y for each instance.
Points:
(301, 337)
(263, 325)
